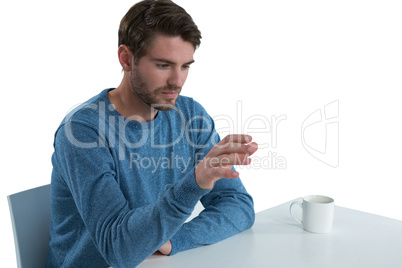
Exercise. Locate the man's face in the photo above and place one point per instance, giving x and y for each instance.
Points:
(158, 77)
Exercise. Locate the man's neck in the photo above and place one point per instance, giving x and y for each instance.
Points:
(127, 103)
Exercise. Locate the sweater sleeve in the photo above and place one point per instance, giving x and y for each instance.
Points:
(124, 236)
(229, 209)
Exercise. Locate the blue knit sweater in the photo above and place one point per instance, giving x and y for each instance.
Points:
(121, 189)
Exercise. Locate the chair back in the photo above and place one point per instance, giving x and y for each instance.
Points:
(30, 217)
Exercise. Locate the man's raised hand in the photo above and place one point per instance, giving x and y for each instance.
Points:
(232, 150)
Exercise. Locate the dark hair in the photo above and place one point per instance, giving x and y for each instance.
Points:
(148, 18)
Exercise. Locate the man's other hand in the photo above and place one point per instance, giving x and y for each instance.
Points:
(166, 249)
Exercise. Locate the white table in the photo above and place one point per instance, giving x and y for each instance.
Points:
(357, 239)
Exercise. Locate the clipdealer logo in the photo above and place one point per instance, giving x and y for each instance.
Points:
(320, 134)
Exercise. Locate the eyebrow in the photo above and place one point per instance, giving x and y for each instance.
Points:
(171, 62)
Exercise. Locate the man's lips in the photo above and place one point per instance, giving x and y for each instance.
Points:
(170, 94)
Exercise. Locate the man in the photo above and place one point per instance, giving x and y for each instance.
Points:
(131, 163)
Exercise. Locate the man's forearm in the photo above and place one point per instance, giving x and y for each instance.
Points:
(227, 212)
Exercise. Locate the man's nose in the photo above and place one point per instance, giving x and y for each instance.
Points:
(177, 77)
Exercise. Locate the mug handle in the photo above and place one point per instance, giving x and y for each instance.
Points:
(290, 211)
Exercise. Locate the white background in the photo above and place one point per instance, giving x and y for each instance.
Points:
(272, 58)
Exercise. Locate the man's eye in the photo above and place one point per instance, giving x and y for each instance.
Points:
(163, 66)
(186, 67)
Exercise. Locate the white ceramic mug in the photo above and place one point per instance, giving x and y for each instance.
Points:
(317, 215)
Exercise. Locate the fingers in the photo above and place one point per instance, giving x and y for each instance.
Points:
(232, 150)
(230, 145)
(236, 138)
(226, 161)
(222, 172)
(225, 173)
(209, 176)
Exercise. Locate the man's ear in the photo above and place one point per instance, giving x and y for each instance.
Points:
(125, 58)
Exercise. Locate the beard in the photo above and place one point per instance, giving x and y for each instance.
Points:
(153, 98)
